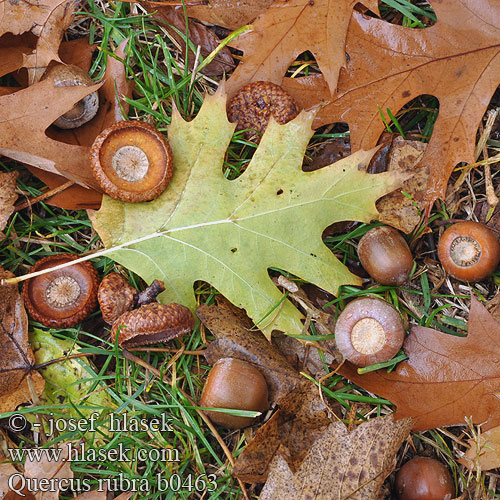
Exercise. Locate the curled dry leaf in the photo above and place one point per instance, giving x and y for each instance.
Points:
(396, 209)
(8, 196)
(301, 416)
(487, 454)
(16, 357)
(200, 35)
(288, 28)
(341, 464)
(457, 60)
(443, 370)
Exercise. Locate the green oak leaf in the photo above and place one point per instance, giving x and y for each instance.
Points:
(228, 233)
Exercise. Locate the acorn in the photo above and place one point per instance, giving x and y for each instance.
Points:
(255, 103)
(67, 75)
(469, 251)
(424, 478)
(385, 255)
(131, 161)
(369, 331)
(236, 385)
(61, 298)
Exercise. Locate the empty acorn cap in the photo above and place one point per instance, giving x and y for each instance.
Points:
(61, 298)
(115, 296)
(152, 323)
(255, 103)
(131, 161)
(67, 75)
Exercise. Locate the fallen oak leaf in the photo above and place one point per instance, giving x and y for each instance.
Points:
(199, 35)
(457, 60)
(49, 39)
(57, 469)
(302, 414)
(457, 377)
(16, 357)
(484, 451)
(27, 114)
(113, 107)
(229, 13)
(288, 28)
(340, 464)
(229, 233)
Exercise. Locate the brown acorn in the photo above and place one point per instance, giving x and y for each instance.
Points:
(255, 103)
(385, 255)
(236, 385)
(469, 251)
(369, 331)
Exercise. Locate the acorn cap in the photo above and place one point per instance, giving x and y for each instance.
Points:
(67, 75)
(253, 105)
(116, 296)
(61, 298)
(152, 323)
(131, 161)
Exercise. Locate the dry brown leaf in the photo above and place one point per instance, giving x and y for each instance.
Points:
(8, 196)
(302, 415)
(340, 464)
(26, 115)
(54, 469)
(16, 357)
(299, 421)
(236, 337)
(457, 60)
(452, 377)
(200, 35)
(229, 13)
(112, 108)
(49, 39)
(396, 209)
(6, 470)
(288, 28)
(487, 455)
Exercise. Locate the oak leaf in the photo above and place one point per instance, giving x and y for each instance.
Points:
(340, 464)
(16, 357)
(228, 233)
(200, 36)
(446, 378)
(457, 60)
(301, 416)
(27, 113)
(229, 13)
(486, 456)
(113, 107)
(288, 28)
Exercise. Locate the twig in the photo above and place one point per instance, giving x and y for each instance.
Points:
(43, 196)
